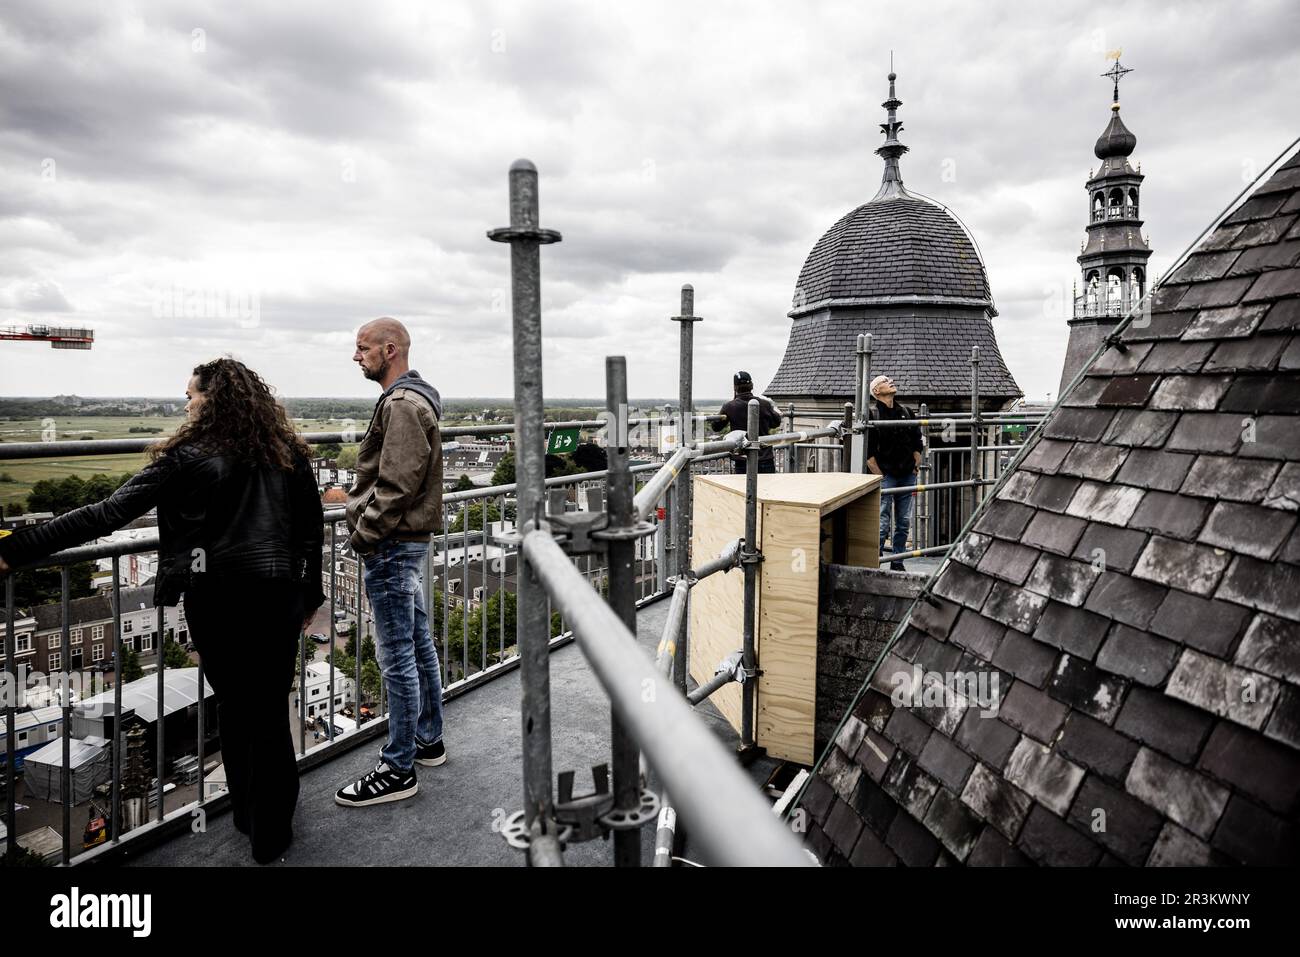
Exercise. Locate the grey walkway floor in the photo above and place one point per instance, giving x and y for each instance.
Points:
(450, 822)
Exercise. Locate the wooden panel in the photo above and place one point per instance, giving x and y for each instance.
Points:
(787, 636)
(864, 530)
(825, 490)
(717, 603)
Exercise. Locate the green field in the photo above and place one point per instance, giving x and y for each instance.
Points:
(25, 473)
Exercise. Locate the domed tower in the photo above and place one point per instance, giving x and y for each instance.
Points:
(1114, 257)
(902, 268)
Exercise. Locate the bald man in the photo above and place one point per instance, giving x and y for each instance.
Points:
(393, 507)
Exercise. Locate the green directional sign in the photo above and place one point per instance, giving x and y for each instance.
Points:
(562, 442)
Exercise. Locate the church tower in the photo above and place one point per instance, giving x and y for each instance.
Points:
(1113, 261)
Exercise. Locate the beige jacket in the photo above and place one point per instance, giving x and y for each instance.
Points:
(398, 489)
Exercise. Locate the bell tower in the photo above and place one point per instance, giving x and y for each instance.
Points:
(1113, 257)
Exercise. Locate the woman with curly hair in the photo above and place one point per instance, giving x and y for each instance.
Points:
(240, 532)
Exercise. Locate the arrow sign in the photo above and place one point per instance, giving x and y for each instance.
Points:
(562, 442)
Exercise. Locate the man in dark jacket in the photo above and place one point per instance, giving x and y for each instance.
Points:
(737, 413)
(893, 452)
(393, 507)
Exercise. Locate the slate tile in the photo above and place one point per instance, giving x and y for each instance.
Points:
(1139, 655)
(1247, 529)
(1062, 579)
(1252, 836)
(1205, 267)
(1053, 492)
(1008, 561)
(1265, 771)
(1005, 519)
(1284, 316)
(989, 739)
(1086, 425)
(1229, 323)
(1125, 598)
(1002, 805)
(876, 808)
(1188, 798)
(870, 851)
(1032, 712)
(1014, 607)
(1284, 724)
(1223, 476)
(971, 548)
(1255, 354)
(851, 734)
(1222, 292)
(1140, 428)
(1114, 362)
(1176, 847)
(1284, 493)
(1110, 548)
(1271, 645)
(1162, 723)
(908, 731)
(1274, 588)
(874, 755)
(1088, 742)
(914, 845)
(818, 799)
(1195, 392)
(1071, 629)
(993, 850)
(1276, 392)
(1098, 502)
(1093, 461)
(1128, 390)
(840, 772)
(1124, 826)
(1176, 516)
(1046, 455)
(842, 827)
(1270, 437)
(978, 634)
(1051, 842)
(1018, 486)
(1206, 432)
(1278, 284)
(934, 616)
(1044, 775)
(1193, 568)
(953, 824)
(1088, 689)
(963, 585)
(1176, 356)
(1027, 659)
(1226, 690)
(1055, 533)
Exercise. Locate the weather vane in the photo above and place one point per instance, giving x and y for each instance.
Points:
(1116, 71)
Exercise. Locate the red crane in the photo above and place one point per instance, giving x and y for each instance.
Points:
(60, 337)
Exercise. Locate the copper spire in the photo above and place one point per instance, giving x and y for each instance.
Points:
(891, 183)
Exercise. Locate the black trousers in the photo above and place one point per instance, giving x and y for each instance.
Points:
(246, 631)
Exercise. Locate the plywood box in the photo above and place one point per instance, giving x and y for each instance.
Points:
(804, 520)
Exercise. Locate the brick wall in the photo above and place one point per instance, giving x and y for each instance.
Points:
(858, 611)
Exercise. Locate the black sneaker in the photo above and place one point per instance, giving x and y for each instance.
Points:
(379, 786)
(897, 567)
(430, 755)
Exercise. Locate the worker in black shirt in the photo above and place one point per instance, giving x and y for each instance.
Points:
(894, 453)
(737, 413)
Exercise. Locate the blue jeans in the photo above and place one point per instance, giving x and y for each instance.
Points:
(405, 651)
(898, 510)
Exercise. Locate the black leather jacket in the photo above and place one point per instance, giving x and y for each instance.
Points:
(216, 516)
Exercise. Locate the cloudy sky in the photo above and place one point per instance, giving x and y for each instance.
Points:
(194, 179)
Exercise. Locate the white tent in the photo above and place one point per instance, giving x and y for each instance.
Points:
(90, 762)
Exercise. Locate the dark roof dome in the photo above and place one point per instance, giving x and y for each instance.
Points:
(1115, 140)
(904, 249)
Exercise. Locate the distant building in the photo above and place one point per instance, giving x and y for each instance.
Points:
(1113, 261)
(902, 268)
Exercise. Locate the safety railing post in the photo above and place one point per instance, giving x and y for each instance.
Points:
(682, 500)
(791, 453)
(923, 503)
(525, 237)
(750, 560)
(846, 439)
(625, 756)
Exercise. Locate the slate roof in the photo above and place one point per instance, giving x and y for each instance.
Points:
(925, 356)
(1135, 587)
(892, 247)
